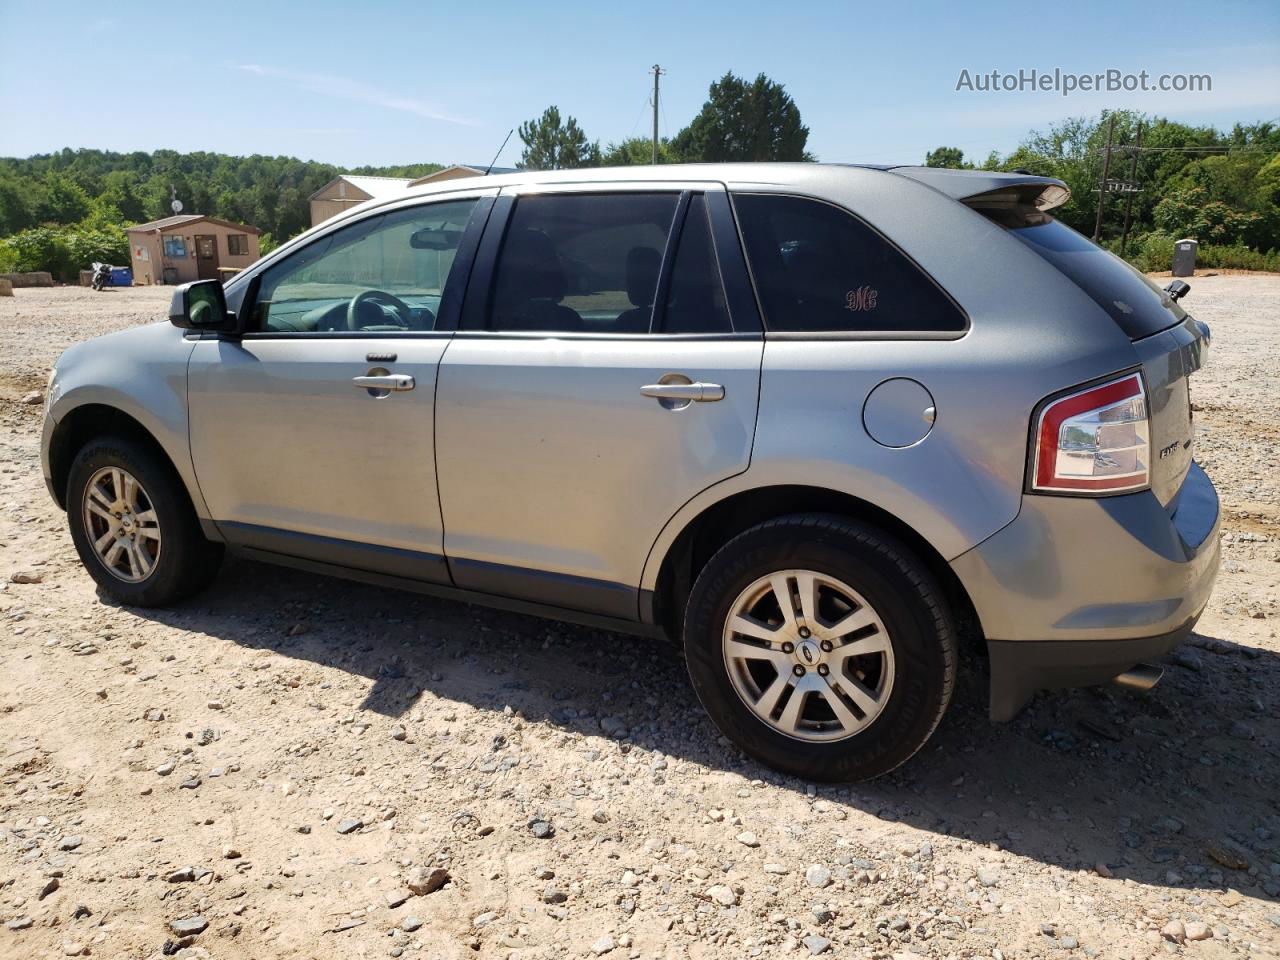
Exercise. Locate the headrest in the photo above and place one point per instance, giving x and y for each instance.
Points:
(531, 256)
(643, 266)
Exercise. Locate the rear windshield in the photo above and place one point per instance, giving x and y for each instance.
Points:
(1138, 306)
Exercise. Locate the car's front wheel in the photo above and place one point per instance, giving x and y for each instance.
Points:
(821, 646)
(133, 525)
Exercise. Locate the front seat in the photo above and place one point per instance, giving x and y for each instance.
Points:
(531, 285)
(643, 266)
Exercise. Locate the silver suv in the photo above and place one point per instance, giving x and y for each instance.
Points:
(819, 422)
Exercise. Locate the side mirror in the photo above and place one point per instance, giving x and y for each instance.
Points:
(1177, 290)
(202, 305)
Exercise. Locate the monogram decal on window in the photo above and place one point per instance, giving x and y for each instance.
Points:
(861, 300)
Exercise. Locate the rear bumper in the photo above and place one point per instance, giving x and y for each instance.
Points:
(1077, 590)
(1020, 668)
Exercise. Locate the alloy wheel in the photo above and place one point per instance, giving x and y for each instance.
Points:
(122, 525)
(808, 655)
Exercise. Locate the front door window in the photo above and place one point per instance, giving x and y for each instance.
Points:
(384, 274)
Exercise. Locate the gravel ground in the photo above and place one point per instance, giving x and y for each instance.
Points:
(295, 767)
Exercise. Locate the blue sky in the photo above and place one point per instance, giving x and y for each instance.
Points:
(399, 82)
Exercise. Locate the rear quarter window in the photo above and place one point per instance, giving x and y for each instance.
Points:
(819, 269)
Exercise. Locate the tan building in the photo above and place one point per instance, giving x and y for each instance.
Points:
(344, 192)
(459, 170)
(190, 247)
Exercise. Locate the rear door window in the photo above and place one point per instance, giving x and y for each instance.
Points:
(582, 263)
(819, 269)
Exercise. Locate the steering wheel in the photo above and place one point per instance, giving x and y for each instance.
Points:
(353, 308)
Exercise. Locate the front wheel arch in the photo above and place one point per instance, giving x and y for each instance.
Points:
(89, 422)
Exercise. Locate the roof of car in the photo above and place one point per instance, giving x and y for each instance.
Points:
(957, 184)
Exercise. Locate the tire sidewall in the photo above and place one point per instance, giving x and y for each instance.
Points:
(917, 630)
(173, 513)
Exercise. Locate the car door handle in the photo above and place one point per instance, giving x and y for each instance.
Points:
(698, 392)
(390, 381)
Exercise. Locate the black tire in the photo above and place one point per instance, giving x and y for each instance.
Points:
(897, 586)
(186, 562)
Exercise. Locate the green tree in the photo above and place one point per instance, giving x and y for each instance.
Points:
(411, 170)
(552, 145)
(1190, 213)
(635, 151)
(15, 204)
(62, 200)
(119, 188)
(952, 157)
(744, 121)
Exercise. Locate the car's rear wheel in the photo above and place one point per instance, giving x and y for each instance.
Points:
(821, 646)
(133, 525)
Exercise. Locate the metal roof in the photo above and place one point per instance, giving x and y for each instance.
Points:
(476, 169)
(378, 188)
(164, 222)
(184, 218)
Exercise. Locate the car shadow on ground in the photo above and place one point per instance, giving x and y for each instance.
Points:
(1178, 788)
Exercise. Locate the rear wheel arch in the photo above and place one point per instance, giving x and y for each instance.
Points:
(93, 421)
(723, 520)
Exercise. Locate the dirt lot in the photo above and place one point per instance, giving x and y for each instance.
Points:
(283, 761)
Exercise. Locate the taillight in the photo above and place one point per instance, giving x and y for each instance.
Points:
(1095, 440)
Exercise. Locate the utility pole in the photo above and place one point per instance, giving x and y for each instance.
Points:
(1133, 178)
(657, 71)
(1102, 184)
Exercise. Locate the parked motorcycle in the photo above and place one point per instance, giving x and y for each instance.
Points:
(101, 275)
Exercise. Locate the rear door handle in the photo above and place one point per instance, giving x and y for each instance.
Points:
(390, 381)
(697, 392)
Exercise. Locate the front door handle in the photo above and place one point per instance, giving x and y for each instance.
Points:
(389, 381)
(697, 392)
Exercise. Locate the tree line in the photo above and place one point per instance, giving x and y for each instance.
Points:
(1221, 188)
(741, 121)
(1196, 181)
(59, 211)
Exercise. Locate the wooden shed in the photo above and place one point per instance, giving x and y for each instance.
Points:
(459, 170)
(190, 247)
(345, 191)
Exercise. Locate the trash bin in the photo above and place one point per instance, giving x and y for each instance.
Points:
(1184, 258)
(170, 275)
(121, 277)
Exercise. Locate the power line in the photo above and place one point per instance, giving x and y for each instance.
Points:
(1211, 150)
(644, 105)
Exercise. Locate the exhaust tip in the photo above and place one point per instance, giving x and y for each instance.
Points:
(1142, 677)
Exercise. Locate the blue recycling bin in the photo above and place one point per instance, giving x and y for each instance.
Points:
(121, 277)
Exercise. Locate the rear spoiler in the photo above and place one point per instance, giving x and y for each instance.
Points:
(987, 189)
